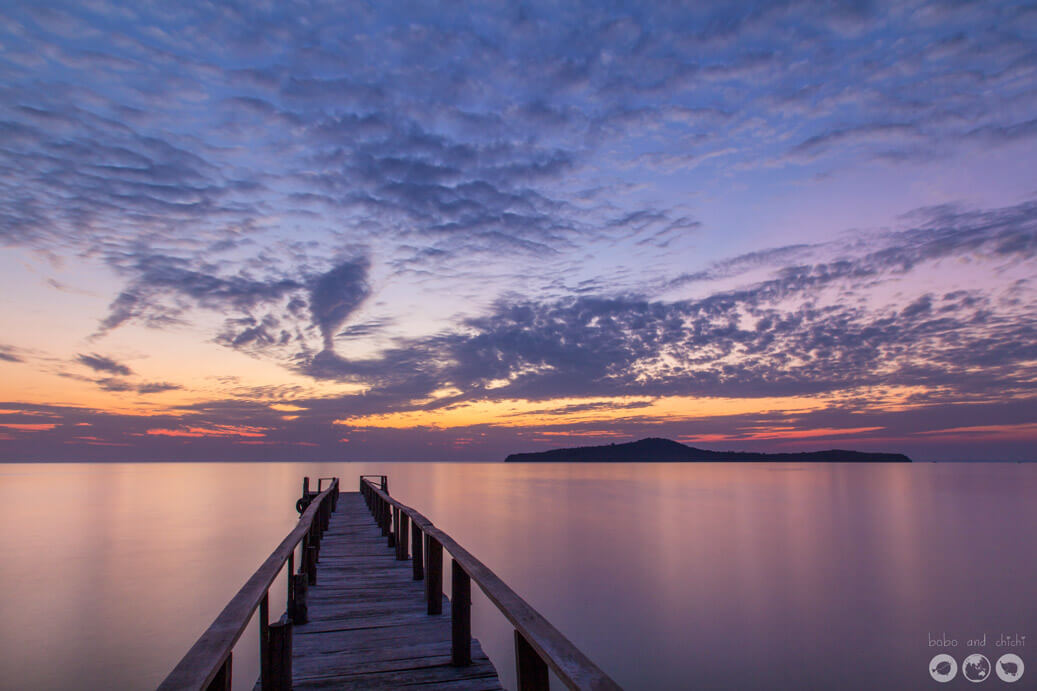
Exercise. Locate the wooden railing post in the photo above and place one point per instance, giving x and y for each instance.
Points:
(311, 565)
(279, 657)
(403, 539)
(434, 578)
(394, 540)
(531, 670)
(264, 640)
(460, 615)
(418, 553)
(221, 682)
(297, 608)
(312, 541)
(291, 580)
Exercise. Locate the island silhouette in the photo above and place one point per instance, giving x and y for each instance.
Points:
(657, 450)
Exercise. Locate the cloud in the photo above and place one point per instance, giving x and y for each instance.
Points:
(157, 387)
(120, 385)
(157, 278)
(1005, 133)
(115, 384)
(807, 330)
(870, 133)
(273, 311)
(101, 363)
(335, 295)
(364, 329)
(771, 257)
(199, 137)
(267, 171)
(9, 354)
(924, 430)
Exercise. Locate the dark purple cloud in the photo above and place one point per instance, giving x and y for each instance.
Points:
(9, 354)
(278, 176)
(335, 295)
(100, 363)
(777, 337)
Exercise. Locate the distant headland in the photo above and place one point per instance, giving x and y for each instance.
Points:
(655, 450)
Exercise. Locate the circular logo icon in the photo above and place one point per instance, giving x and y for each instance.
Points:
(975, 667)
(1009, 668)
(943, 668)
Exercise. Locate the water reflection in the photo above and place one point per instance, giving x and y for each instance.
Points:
(721, 576)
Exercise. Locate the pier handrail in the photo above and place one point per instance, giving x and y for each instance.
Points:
(207, 664)
(533, 633)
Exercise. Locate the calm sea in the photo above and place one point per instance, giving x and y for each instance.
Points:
(669, 576)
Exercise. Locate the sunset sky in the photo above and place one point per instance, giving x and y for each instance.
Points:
(339, 231)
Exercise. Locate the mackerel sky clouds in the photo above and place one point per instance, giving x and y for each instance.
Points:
(434, 231)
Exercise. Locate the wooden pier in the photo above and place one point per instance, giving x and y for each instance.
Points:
(366, 609)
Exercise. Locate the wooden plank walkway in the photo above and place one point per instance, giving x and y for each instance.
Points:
(368, 627)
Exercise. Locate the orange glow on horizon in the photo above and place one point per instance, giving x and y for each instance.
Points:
(515, 412)
(568, 411)
(217, 431)
(779, 433)
(1020, 432)
(582, 433)
(29, 426)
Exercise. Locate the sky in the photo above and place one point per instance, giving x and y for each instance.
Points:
(429, 231)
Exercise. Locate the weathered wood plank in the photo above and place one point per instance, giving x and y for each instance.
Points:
(334, 666)
(368, 624)
(438, 675)
(329, 614)
(385, 660)
(570, 664)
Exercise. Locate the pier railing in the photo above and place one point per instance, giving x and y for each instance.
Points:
(538, 644)
(207, 665)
